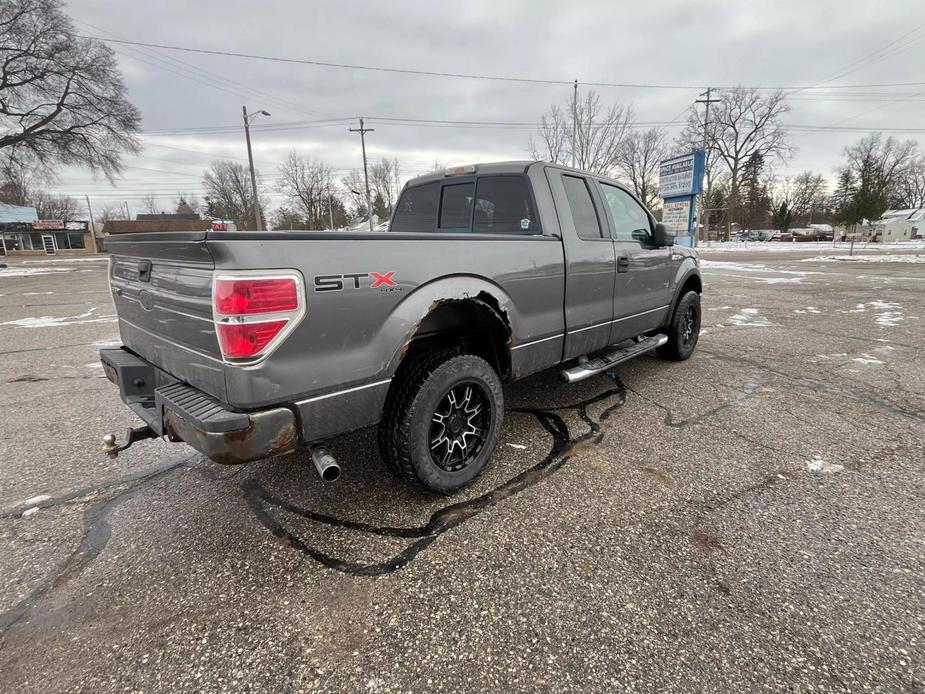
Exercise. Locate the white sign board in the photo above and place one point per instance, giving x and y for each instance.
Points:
(676, 176)
(676, 214)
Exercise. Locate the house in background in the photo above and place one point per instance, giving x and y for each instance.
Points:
(900, 225)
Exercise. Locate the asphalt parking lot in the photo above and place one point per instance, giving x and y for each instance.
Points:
(750, 519)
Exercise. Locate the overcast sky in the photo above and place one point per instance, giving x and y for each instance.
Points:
(788, 43)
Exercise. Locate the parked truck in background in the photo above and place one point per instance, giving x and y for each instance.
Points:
(253, 344)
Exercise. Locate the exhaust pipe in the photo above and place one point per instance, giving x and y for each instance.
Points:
(325, 464)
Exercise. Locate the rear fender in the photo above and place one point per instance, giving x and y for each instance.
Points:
(412, 311)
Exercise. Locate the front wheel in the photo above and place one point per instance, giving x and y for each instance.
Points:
(684, 329)
(442, 421)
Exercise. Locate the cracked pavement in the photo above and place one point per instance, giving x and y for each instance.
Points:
(657, 529)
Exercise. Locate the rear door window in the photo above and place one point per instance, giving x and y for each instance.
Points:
(456, 206)
(503, 205)
(584, 214)
(417, 209)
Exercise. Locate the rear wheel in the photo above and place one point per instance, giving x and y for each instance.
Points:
(442, 420)
(683, 330)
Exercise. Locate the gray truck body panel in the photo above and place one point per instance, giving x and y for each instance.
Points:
(559, 296)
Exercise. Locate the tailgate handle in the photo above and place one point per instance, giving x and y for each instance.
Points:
(144, 271)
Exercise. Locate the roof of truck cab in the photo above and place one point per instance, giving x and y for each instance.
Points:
(494, 167)
(519, 166)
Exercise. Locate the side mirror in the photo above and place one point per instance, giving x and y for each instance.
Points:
(663, 236)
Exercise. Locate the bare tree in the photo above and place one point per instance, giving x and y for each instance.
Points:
(62, 99)
(639, 162)
(807, 196)
(595, 141)
(229, 193)
(355, 186)
(63, 207)
(877, 165)
(149, 204)
(746, 122)
(909, 189)
(306, 185)
(384, 181)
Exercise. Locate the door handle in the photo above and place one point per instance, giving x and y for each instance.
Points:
(623, 263)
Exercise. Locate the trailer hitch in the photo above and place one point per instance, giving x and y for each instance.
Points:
(131, 436)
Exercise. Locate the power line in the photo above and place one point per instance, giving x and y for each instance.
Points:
(459, 75)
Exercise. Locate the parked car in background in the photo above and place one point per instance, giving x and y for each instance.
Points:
(781, 236)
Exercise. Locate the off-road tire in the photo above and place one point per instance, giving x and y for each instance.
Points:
(679, 347)
(404, 430)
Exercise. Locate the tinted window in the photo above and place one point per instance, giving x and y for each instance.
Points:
(503, 206)
(631, 223)
(417, 209)
(455, 207)
(583, 214)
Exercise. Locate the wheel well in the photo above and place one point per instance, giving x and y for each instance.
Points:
(474, 325)
(692, 283)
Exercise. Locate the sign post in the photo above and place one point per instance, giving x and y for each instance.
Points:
(680, 182)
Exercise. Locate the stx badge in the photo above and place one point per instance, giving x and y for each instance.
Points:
(383, 281)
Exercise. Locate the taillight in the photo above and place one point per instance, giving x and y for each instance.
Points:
(254, 311)
(247, 296)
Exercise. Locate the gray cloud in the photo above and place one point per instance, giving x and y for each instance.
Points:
(716, 43)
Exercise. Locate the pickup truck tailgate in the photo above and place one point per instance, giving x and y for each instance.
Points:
(162, 288)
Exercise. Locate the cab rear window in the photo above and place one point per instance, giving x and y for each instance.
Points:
(489, 205)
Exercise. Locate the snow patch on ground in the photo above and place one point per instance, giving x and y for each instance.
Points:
(808, 309)
(65, 260)
(51, 322)
(798, 247)
(867, 259)
(749, 317)
(30, 271)
(820, 467)
(866, 359)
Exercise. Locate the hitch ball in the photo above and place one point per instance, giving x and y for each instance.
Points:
(109, 441)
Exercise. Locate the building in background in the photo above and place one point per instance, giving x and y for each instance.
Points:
(900, 225)
(22, 233)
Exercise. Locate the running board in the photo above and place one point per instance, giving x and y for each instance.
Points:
(611, 357)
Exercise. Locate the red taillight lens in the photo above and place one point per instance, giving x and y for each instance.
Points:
(242, 340)
(237, 297)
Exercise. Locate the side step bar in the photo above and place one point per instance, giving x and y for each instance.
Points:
(611, 357)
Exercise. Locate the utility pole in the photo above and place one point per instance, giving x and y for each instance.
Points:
(92, 226)
(330, 206)
(250, 161)
(706, 158)
(574, 123)
(369, 203)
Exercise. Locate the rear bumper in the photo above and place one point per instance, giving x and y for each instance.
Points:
(176, 410)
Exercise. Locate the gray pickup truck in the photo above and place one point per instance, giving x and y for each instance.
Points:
(253, 344)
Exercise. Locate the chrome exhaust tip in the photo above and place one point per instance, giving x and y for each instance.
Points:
(325, 464)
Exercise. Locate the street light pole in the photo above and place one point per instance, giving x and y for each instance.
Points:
(369, 203)
(250, 161)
